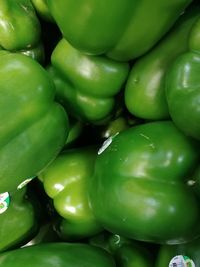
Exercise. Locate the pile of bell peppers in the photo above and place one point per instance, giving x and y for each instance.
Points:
(99, 133)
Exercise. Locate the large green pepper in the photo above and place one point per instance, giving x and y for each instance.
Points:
(140, 185)
(86, 85)
(183, 87)
(20, 28)
(57, 254)
(145, 88)
(122, 29)
(66, 181)
(18, 220)
(33, 128)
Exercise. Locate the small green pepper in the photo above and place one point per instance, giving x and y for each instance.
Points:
(66, 181)
(86, 85)
(20, 29)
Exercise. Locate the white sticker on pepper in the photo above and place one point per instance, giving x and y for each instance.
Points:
(181, 261)
(4, 202)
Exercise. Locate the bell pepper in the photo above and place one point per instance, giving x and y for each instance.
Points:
(123, 30)
(19, 222)
(145, 87)
(33, 127)
(57, 254)
(190, 249)
(66, 181)
(86, 85)
(183, 87)
(20, 28)
(141, 184)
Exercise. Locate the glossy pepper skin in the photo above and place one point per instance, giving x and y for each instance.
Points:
(190, 249)
(33, 127)
(66, 181)
(57, 254)
(20, 28)
(139, 186)
(183, 87)
(19, 222)
(146, 81)
(86, 85)
(90, 27)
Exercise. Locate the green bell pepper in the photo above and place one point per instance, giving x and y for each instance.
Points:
(121, 29)
(57, 254)
(140, 188)
(145, 87)
(86, 85)
(20, 28)
(33, 128)
(18, 223)
(66, 181)
(183, 87)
